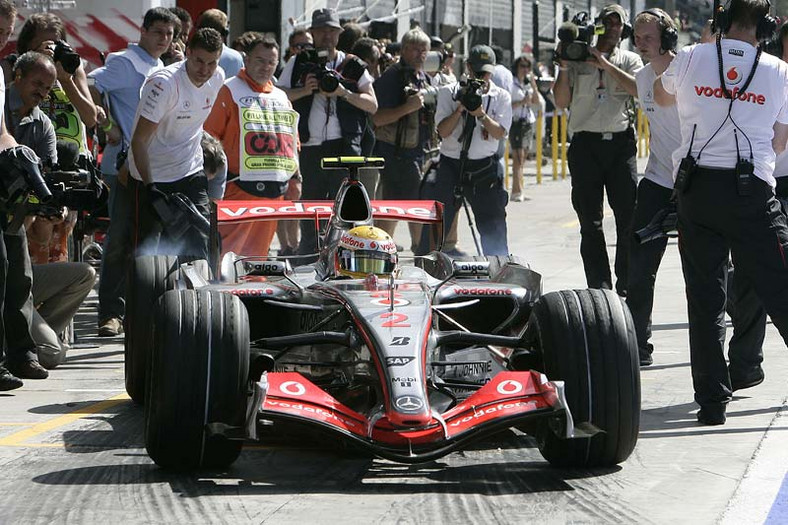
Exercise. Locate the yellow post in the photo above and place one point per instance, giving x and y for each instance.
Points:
(647, 134)
(506, 165)
(563, 143)
(539, 122)
(639, 131)
(554, 144)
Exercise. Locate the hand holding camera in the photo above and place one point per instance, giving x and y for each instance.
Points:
(67, 61)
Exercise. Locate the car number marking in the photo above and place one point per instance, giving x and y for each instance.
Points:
(509, 387)
(398, 320)
(292, 388)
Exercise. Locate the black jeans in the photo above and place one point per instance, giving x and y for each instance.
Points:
(318, 184)
(16, 299)
(713, 220)
(117, 252)
(600, 166)
(487, 200)
(150, 237)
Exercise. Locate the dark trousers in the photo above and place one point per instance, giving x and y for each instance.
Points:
(318, 184)
(400, 178)
(713, 220)
(117, 252)
(644, 259)
(16, 299)
(487, 200)
(597, 167)
(151, 237)
(747, 314)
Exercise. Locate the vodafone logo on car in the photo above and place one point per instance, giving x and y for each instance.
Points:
(509, 387)
(292, 388)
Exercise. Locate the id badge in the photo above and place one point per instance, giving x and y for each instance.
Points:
(601, 94)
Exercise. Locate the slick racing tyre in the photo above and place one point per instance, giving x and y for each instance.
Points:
(148, 278)
(587, 339)
(198, 376)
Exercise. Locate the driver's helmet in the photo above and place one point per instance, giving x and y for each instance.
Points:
(366, 250)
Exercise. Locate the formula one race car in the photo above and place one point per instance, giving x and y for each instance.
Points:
(408, 360)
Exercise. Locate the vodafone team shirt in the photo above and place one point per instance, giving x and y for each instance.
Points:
(665, 137)
(693, 77)
(180, 108)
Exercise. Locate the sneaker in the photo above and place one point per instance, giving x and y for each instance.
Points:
(711, 415)
(30, 369)
(110, 327)
(8, 381)
(752, 378)
(517, 197)
(646, 358)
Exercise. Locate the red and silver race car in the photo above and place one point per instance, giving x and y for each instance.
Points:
(409, 366)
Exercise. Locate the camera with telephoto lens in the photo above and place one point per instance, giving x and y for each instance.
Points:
(576, 37)
(66, 56)
(314, 61)
(470, 93)
(428, 92)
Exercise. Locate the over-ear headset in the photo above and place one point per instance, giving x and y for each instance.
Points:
(626, 30)
(722, 20)
(668, 36)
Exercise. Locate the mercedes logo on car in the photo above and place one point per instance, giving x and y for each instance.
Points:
(409, 403)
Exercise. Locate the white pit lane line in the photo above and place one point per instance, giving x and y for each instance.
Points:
(762, 494)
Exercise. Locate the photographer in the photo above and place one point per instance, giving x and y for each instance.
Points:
(403, 123)
(602, 155)
(332, 122)
(731, 127)
(472, 117)
(117, 84)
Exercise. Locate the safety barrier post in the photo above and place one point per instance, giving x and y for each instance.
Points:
(539, 137)
(554, 143)
(563, 144)
(647, 134)
(639, 124)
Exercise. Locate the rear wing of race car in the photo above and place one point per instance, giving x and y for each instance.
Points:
(230, 212)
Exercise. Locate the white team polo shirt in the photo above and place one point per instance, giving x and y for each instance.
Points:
(693, 77)
(664, 126)
(180, 108)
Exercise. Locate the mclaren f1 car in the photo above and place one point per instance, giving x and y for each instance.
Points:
(407, 358)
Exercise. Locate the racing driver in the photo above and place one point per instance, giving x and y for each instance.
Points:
(365, 250)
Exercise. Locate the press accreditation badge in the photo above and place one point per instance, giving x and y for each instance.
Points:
(601, 94)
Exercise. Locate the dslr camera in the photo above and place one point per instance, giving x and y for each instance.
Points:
(314, 61)
(576, 36)
(66, 56)
(430, 93)
(470, 93)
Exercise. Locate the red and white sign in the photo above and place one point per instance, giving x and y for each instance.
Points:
(268, 210)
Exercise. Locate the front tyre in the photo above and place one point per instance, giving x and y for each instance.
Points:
(587, 339)
(198, 375)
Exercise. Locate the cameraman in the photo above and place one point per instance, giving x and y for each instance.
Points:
(479, 180)
(403, 124)
(602, 155)
(331, 123)
(731, 127)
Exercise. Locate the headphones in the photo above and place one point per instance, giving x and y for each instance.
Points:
(626, 30)
(722, 21)
(668, 36)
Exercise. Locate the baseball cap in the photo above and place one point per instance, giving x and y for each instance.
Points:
(482, 58)
(325, 18)
(613, 9)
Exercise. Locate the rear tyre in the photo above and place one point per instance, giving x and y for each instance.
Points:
(198, 375)
(149, 277)
(587, 339)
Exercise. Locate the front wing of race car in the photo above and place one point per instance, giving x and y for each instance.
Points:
(509, 399)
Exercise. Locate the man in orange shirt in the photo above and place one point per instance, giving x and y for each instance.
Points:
(258, 128)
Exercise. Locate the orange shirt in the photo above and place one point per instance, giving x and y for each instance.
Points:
(223, 123)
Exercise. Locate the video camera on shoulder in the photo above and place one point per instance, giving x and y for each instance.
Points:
(21, 176)
(576, 36)
(470, 93)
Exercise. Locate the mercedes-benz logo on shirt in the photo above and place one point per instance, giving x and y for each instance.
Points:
(733, 76)
(186, 104)
(409, 403)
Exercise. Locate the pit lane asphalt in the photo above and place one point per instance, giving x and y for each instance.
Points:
(71, 447)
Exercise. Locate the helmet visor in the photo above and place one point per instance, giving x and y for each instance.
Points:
(366, 261)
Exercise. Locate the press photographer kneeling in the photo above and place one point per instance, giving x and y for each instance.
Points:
(472, 116)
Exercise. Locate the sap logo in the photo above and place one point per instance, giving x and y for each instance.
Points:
(399, 360)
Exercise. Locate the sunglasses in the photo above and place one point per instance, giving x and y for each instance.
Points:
(305, 45)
